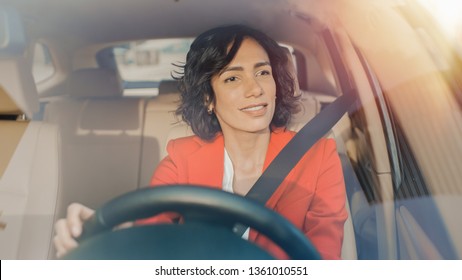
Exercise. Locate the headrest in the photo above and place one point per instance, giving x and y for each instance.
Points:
(13, 40)
(18, 91)
(291, 68)
(95, 82)
(18, 86)
(168, 86)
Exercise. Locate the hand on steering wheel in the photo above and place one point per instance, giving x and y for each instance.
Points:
(202, 209)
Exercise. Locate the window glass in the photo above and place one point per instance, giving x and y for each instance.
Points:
(42, 67)
(143, 64)
(427, 107)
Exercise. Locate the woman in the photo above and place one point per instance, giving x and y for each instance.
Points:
(238, 97)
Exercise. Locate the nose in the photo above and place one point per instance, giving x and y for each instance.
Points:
(253, 88)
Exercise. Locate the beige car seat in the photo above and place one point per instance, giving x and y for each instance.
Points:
(29, 166)
(102, 136)
(160, 118)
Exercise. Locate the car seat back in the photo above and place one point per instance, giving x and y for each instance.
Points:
(29, 160)
(101, 138)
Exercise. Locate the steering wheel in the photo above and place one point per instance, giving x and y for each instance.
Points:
(207, 231)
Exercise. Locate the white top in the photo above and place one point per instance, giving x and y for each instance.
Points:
(228, 183)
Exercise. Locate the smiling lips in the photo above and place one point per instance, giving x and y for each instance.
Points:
(255, 109)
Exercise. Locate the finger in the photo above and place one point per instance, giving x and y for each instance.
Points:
(63, 240)
(76, 215)
(61, 250)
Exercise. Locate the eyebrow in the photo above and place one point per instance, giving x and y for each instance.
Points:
(240, 68)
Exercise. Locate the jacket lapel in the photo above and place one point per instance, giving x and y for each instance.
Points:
(205, 166)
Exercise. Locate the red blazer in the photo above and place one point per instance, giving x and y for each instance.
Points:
(312, 196)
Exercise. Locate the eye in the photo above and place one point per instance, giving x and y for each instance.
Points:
(264, 72)
(230, 79)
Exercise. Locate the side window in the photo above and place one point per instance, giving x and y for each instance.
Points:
(42, 67)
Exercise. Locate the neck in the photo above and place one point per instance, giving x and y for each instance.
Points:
(247, 152)
(247, 147)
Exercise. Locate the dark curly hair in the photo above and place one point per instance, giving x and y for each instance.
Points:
(207, 56)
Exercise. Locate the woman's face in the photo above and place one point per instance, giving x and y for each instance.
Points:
(245, 91)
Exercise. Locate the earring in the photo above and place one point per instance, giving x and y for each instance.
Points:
(209, 110)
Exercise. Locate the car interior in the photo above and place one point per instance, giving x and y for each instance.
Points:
(27, 201)
(77, 136)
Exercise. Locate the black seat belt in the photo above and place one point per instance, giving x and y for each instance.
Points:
(291, 154)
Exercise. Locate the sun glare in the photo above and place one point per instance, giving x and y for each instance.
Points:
(448, 14)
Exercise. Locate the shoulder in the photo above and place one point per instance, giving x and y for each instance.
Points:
(282, 136)
(325, 145)
(185, 142)
(323, 150)
(188, 145)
